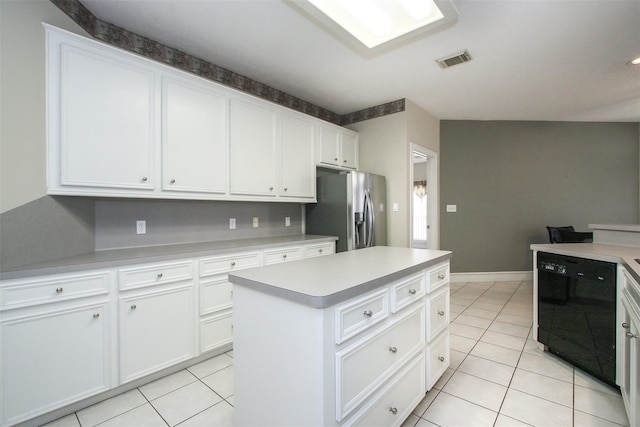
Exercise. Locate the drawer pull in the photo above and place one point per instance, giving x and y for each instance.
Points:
(320, 250)
(233, 264)
(145, 179)
(96, 315)
(393, 349)
(625, 325)
(631, 335)
(441, 358)
(133, 306)
(368, 313)
(284, 256)
(441, 276)
(173, 181)
(393, 410)
(412, 291)
(160, 275)
(59, 290)
(440, 313)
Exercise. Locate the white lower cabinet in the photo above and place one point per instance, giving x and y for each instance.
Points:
(55, 351)
(156, 331)
(67, 337)
(629, 351)
(367, 361)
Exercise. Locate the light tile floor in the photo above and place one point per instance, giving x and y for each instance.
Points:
(498, 377)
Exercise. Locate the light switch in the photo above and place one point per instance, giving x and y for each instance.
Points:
(395, 207)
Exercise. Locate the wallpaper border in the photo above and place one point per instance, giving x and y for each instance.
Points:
(127, 40)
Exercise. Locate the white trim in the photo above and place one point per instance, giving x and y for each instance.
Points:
(493, 276)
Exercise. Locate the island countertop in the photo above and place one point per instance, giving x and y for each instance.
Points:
(324, 281)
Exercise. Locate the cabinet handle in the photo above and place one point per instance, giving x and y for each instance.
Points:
(393, 410)
(393, 349)
(59, 290)
(335, 159)
(320, 250)
(173, 181)
(625, 325)
(631, 335)
(233, 263)
(344, 161)
(145, 179)
(284, 256)
(96, 315)
(270, 188)
(441, 276)
(285, 189)
(412, 291)
(368, 313)
(160, 275)
(440, 313)
(133, 306)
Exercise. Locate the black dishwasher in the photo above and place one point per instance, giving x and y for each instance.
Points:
(577, 312)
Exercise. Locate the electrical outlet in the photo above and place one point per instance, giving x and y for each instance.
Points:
(232, 223)
(287, 221)
(141, 227)
(452, 208)
(255, 222)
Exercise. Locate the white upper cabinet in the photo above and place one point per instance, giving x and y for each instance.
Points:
(337, 147)
(120, 125)
(194, 137)
(253, 140)
(107, 118)
(297, 167)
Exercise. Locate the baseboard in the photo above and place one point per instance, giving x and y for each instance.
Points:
(493, 276)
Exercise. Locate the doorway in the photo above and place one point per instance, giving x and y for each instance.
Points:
(423, 187)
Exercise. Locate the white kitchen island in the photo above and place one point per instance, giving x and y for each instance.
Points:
(355, 338)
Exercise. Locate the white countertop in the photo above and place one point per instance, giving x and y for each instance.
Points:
(616, 227)
(625, 255)
(324, 281)
(129, 256)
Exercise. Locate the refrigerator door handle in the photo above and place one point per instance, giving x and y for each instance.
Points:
(369, 217)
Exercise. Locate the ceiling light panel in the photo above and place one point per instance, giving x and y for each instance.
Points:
(375, 22)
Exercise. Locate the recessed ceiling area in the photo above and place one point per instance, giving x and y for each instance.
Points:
(532, 60)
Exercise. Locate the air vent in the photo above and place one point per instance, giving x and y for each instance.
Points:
(455, 59)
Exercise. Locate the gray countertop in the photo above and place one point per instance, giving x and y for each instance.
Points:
(625, 255)
(324, 281)
(122, 257)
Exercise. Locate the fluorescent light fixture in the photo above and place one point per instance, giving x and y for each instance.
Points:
(635, 61)
(375, 22)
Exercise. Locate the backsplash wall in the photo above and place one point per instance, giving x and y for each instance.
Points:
(175, 221)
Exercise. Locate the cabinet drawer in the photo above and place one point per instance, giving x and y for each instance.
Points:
(396, 400)
(224, 264)
(319, 250)
(359, 315)
(437, 276)
(407, 291)
(215, 294)
(362, 367)
(282, 255)
(156, 274)
(60, 288)
(437, 357)
(437, 312)
(216, 331)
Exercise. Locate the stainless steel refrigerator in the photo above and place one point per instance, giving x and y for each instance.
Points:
(352, 206)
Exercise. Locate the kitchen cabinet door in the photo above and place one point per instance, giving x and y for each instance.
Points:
(297, 166)
(53, 357)
(329, 146)
(194, 137)
(349, 149)
(253, 148)
(106, 119)
(156, 330)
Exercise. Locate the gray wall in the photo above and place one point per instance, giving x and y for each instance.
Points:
(511, 179)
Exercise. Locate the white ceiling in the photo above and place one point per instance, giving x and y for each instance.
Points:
(563, 60)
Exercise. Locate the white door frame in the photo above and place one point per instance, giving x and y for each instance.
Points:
(433, 230)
